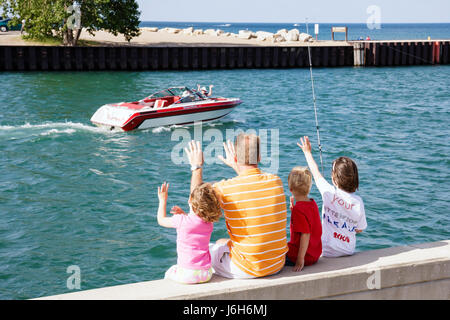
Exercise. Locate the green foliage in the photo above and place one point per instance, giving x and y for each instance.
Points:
(51, 18)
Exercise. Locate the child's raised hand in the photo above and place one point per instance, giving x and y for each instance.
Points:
(304, 144)
(195, 153)
(177, 210)
(163, 192)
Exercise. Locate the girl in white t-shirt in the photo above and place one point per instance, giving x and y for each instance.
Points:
(343, 214)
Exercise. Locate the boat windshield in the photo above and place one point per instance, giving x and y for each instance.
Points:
(184, 92)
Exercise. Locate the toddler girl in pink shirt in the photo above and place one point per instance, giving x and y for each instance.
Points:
(193, 233)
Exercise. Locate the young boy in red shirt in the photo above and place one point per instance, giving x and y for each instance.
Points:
(305, 246)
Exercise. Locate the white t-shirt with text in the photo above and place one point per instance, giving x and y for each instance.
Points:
(342, 214)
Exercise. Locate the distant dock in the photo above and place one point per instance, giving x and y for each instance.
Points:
(352, 53)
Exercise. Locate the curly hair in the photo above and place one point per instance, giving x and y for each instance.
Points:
(205, 203)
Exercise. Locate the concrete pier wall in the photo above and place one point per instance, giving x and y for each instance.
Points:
(361, 53)
(419, 271)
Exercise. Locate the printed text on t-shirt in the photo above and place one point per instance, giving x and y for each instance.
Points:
(341, 237)
(342, 202)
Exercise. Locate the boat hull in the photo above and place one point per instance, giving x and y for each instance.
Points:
(116, 117)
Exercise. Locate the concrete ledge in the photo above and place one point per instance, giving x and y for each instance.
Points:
(409, 272)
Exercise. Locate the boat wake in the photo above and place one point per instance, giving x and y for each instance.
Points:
(51, 128)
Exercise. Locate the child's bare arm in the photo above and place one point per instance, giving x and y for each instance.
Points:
(304, 243)
(163, 192)
(305, 145)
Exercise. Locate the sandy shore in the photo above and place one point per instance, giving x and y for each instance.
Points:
(164, 38)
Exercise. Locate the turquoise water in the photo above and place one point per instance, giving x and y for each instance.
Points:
(386, 31)
(72, 194)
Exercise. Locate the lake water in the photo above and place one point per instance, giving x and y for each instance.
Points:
(72, 194)
(385, 31)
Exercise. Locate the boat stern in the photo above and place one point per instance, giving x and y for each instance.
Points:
(111, 116)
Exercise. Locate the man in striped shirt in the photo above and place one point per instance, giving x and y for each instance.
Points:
(254, 205)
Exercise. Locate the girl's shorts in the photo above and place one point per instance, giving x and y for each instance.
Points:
(188, 276)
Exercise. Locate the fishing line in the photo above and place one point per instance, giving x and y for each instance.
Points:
(314, 100)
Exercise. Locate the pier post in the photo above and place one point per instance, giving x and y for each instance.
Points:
(101, 59)
(404, 56)
(143, 58)
(213, 57)
(258, 57)
(284, 58)
(173, 57)
(165, 58)
(185, 58)
(205, 58)
(223, 58)
(445, 52)
(195, 59)
(232, 58)
(358, 54)
(90, 57)
(249, 57)
(133, 57)
(275, 57)
(240, 56)
(32, 58)
(418, 53)
(341, 60)
(78, 58)
(8, 59)
(20, 53)
(426, 56)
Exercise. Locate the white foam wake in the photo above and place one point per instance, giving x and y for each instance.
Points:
(54, 127)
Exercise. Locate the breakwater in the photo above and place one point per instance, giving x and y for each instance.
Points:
(420, 271)
(360, 53)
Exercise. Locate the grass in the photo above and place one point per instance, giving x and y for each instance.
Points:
(57, 41)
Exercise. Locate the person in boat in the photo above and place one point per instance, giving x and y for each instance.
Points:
(205, 92)
(187, 96)
(254, 248)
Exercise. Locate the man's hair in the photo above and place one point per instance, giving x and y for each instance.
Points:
(247, 148)
(345, 174)
(205, 203)
(300, 180)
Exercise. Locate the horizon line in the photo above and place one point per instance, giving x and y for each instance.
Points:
(289, 22)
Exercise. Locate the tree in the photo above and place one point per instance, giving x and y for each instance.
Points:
(65, 18)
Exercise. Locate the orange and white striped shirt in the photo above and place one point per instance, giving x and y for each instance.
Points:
(254, 205)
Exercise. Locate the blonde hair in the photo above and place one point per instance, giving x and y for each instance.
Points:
(205, 203)
(247, 149)
(300, 180)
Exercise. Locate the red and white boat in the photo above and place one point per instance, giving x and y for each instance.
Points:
(172, 106)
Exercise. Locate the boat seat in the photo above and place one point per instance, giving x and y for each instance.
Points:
(160, 103)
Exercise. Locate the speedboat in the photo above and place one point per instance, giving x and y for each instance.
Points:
(172, 106)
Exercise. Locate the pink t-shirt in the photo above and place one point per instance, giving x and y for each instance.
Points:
(193, 236)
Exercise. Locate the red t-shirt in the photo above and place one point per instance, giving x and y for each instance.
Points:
(305, 218)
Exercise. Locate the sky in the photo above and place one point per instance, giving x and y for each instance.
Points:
(325, 11)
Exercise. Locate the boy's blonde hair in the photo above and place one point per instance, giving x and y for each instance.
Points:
(300, 180)
(205, 203)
